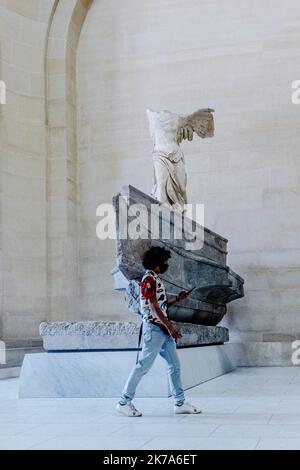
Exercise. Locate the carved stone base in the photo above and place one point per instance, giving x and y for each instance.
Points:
(103, 335)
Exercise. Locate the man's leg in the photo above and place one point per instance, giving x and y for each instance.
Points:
(153, 341)
(169, 353)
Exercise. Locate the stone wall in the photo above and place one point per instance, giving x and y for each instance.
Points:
(39, 199)
(23, 27)
(79, 75)
(240, 58)
(63, 193)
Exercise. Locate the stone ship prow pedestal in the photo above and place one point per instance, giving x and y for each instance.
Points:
(200, 264)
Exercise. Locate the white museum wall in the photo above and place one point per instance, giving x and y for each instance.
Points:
(238, 57)
(23, 27)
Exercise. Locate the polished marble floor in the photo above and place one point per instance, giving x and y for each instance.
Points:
(250, 408)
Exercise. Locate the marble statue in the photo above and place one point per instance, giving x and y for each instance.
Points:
(168, 130)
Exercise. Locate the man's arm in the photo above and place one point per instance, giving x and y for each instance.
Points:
(174, 331)
(172, 301)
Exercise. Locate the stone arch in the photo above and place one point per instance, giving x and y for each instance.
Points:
(65, 25)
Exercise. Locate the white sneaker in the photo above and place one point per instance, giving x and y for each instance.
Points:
(128, 410)
(186, 408)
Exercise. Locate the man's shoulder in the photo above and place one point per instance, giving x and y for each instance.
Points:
(148, 285)
(148, 277)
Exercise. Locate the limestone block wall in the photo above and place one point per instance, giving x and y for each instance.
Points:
(239, 57)
(23, 27)
(38, 149)
(79, 75)
(62, 182)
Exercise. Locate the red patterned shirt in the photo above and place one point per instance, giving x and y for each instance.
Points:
(152, 286)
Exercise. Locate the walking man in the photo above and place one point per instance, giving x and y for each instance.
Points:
(159, 335)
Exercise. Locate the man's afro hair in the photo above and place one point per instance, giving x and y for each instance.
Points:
(155, 256)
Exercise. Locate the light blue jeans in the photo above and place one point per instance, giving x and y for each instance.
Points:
(155, 342)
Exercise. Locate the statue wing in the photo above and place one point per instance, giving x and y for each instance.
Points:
(202, 122)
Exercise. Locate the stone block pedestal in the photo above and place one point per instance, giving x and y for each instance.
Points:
(94, 359)
(102, 374)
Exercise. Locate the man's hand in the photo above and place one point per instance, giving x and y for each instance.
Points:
(174, 331)
(182, 295)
